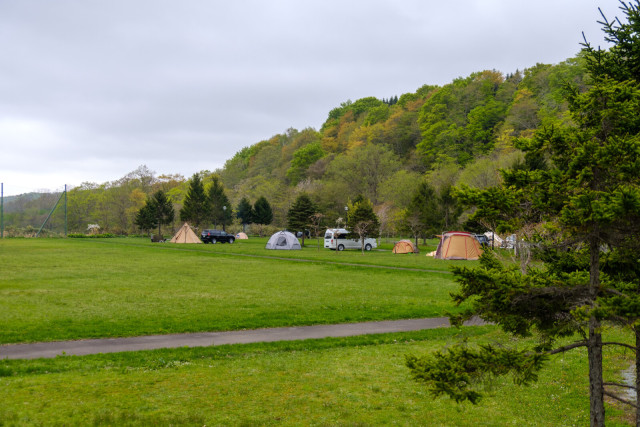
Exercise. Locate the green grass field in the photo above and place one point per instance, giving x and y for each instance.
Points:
(53, 289)
(346, 381)
(57, 289)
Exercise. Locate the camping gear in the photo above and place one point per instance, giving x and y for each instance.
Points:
(494, 240)
(283, 240)
(185, 235)
(405, 247)
(241, 236)
(458, 245)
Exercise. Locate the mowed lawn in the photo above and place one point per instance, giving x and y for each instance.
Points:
(53, 289)
(58, 289)
(336, 381)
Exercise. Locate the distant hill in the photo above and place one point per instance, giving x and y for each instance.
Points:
(381, 149)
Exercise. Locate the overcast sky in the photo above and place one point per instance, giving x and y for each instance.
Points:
(90, 90)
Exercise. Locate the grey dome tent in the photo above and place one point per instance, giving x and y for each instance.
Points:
(283, 240)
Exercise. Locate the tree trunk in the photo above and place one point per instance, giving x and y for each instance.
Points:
(596, 388)
(637, 331)
(594, 343)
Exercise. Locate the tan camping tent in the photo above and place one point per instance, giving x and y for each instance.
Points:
(185, 235)
(242, 236)
(458, 245)
(405, 247)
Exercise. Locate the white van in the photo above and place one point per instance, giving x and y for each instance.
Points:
(340, 239)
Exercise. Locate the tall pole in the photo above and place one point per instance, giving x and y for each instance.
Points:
(2, 210)
(65, 210)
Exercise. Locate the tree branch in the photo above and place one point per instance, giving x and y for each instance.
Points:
(613, 396)
(620, 344)
(567, 348)
(620, 385)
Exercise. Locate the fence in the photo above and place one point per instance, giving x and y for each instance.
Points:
(33, 214)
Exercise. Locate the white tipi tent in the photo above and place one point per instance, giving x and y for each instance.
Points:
(185, 235)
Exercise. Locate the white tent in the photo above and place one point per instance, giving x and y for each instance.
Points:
(283, 240)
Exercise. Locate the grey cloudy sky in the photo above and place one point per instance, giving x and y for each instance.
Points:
(90, 90)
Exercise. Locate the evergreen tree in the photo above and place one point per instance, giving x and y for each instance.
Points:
(423, 215)
(195, 208)
(244, 212)
(586, 198)
(145, 218)
(220, 208)
(156, 212)
(362, 220)
(263, 214)
(300, 213)
(163, 209)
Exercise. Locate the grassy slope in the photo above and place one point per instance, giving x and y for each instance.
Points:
(80, 288)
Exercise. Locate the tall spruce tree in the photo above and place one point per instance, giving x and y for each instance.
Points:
(244, 212)
(220, 208)
(195, 208)
(362, 220)
(423, 216)
(263, 214)
(157, 211)
(578, 212)
(300, 213)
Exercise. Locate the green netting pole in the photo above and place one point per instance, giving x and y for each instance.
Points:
(65, 210)
(51, 213)
(2, 210)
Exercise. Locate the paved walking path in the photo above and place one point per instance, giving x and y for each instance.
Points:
(203, 339)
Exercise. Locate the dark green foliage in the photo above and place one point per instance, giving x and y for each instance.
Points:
(157, 211)
(362, 220)
(145, 218)
(195, 208)
(262, 212)
(457, 370)
(244, 211)
(300, 213)
(576, 200)
(422, 217)
(220, 208)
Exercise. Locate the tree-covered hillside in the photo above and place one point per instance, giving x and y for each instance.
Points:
(460, 133)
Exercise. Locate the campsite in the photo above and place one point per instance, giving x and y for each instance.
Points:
(129, 286)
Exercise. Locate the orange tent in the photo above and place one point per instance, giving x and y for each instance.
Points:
(241, 236)
(404, 247)
(458, 245)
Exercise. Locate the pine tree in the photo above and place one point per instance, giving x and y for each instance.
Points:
(263, 214)
(300, 213)
(220, 208)
(157, 211)
(145, 218)
(195, 208)
(244, 212)
(585, 198)
(362, 220)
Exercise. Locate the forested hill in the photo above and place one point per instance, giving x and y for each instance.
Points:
(381, 149)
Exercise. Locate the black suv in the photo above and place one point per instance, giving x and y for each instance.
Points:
(214, 236)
